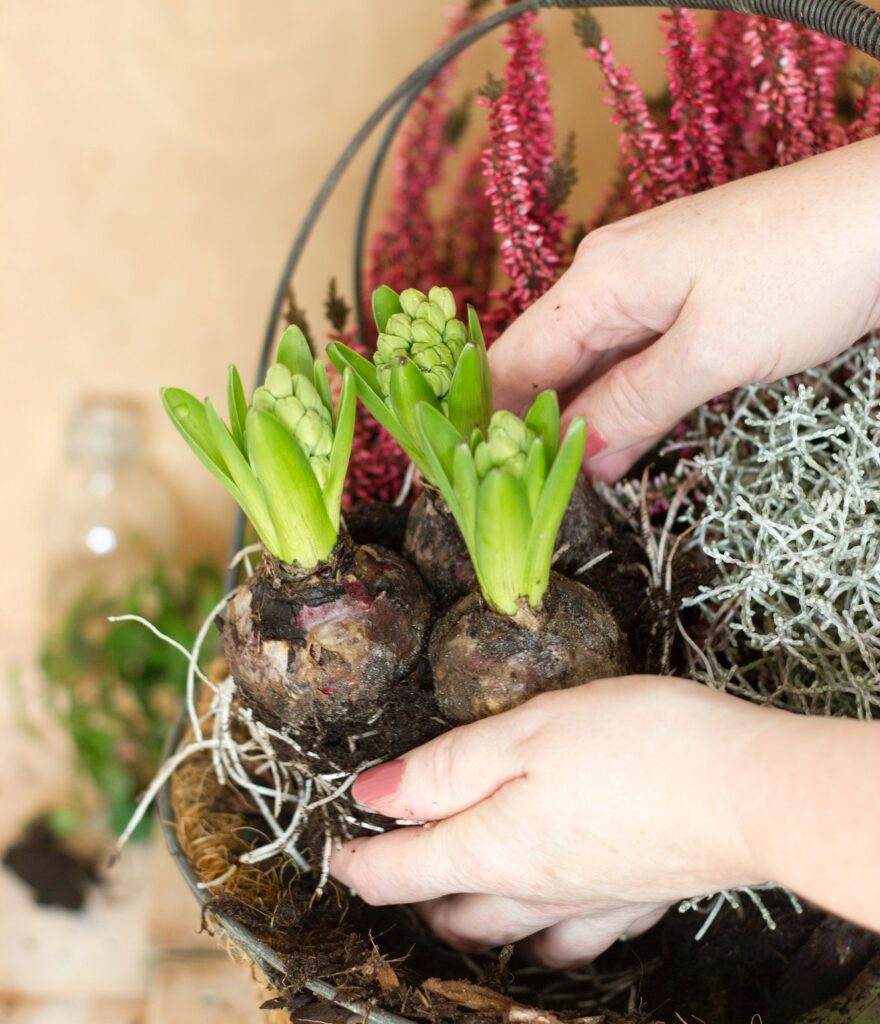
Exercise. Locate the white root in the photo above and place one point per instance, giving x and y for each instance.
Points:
(730, 898)
(406, 486)
(288, 784)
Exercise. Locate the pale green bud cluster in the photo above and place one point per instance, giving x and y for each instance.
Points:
(505, 447)
(294, 401)
(426, 332)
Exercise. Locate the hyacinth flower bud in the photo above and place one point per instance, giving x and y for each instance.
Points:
(433, 314)
(305, 391)
(400, 325)
(425, 332)
(455, 333)
(506, 446)
(443, 298)
(313, 434)
(296, 404)
(279, 381)
(389, 347)
(290, 411)
(411, 299)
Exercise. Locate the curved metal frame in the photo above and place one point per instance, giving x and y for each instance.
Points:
(849, 21)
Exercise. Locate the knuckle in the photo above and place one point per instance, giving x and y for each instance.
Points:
(369, 888)
(365, 875)
(442, 767)
(596, 243)
(629, 404)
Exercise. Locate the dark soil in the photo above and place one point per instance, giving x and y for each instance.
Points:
(56, 877)
(386, 957)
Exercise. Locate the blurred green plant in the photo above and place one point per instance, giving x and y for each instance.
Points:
(115, 688)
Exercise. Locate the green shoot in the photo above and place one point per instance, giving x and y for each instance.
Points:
(283, 457)
(508, 490)
(424, 355)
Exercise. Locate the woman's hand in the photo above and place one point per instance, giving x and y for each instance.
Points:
(581, 815)
(747, 282)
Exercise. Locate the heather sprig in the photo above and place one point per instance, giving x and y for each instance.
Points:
(284, 456)
(409, 246)
(644, 149)
(695, 138)
(508, 489)
(425, 354)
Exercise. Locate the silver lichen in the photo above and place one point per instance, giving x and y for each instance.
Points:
(792, 524)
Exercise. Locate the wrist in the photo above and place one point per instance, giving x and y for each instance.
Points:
(767, 790)
(813, 824)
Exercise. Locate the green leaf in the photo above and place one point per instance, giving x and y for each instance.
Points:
(475, 333)
(238, 406)
(475, 330)
(305, 533)
(439, 440)
(551, 508)
(543, 419)
(250, 494)
(295, 353)
(371, 395)
(466, 485)
(340, 453)
(501, 539)
(535, 473)
(342, 356)
(386, 302)
(188, 414)
(464, 401)
(322, 386)
(407, 388)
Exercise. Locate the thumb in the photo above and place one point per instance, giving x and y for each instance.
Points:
(639, 400)
(448, 774)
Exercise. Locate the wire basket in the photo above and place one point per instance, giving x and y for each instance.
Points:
(848, 21)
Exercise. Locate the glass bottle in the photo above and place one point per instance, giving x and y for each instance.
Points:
(111, 517)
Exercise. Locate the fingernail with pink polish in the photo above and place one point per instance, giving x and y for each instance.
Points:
(376, 785)
(595, 443)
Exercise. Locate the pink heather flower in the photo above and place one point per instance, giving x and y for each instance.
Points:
(518, 162)
(823, 60)
(527, 255)
(406, 252)
(731, 79)
(645, 154)
(866, 123)
(527, 83)
(470, 246)
(784, 100)
(697, 160)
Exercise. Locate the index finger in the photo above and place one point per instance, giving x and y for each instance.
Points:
(543, 348)
(406, 865)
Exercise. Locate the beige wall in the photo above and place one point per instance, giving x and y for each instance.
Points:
(155, 157)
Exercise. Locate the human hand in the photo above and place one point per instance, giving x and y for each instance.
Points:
(574, 818)
(660, 312)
